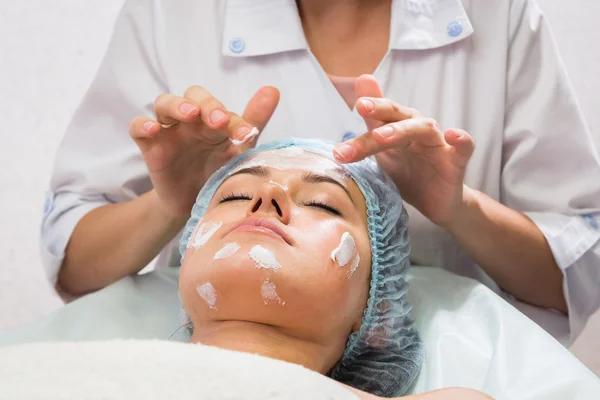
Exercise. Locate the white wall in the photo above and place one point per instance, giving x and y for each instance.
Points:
(49, 51)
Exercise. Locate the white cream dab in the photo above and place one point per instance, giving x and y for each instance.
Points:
(208, 294)
(228, 250)
(205, 232)
(193, 235)
(269, 293)
(285, 188)
(264, 258)
(249, 136)
(354, 265)
(344, 252)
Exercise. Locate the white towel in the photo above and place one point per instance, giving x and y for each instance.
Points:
(152, 369)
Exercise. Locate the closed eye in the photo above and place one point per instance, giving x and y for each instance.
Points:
(234, 197)
(324, 206)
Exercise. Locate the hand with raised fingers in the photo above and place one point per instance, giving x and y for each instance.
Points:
(192, 137)
(427, 165)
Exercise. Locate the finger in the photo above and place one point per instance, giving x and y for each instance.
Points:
(212, 112)
(260, 109)
(239, 130)
(143, 128)
(424, 131)
(384, 110)
(367, 86)
(170, 109)
(463, 143)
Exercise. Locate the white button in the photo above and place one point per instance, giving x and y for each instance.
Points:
(237, 45)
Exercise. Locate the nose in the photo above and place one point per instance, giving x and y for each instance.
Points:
(270, 201)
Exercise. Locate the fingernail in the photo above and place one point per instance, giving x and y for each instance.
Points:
(369, 105)
(187, 108)
(241, 133)
(343, 152)
(148, 126)
(217, 116)
(385, 132)
(457, 134)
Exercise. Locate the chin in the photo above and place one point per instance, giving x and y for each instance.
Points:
(237, 282)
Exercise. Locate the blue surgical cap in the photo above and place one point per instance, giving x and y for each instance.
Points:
(385, 355)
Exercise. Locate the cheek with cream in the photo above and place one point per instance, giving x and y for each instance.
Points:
(346, 253)
(204, 232)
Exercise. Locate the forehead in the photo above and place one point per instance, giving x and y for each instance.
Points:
(294, 158)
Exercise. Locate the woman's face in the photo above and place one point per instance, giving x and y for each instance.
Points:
(264, 251)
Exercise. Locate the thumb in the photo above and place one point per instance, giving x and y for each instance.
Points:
(261, 107)
(367, 86)
(463, 145)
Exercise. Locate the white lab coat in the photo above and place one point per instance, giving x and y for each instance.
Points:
(490, 68)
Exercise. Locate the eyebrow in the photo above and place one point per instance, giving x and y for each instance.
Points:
(308, 177)
(255, 171)
(311, 177)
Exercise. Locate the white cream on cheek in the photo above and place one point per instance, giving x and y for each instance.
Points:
(354, 265)
(344, 252)
(208, 294)
(205, 232)
(227, 251)
(264, 258)
(193, 235)
(269, 293)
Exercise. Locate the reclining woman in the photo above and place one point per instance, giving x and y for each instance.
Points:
(292, 256)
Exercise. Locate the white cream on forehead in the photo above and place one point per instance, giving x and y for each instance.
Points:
(208, 294)
(264, 258)
(344, 252)
(294, 158)
(227, 251)
(205, 232)
(269, 293)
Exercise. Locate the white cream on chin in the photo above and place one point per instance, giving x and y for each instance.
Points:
(205, 232)
(208, 294)
(227, 251)
(264, 258)
(345, 251)
(269, 293)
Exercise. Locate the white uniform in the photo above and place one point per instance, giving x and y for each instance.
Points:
(489, 67)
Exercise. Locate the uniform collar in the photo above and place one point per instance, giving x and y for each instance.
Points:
(255, 28)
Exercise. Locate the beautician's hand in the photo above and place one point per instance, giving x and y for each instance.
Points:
(190, 139)
(427, 165)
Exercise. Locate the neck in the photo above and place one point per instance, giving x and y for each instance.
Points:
(320, 8)
(265, 340)
(348, 37)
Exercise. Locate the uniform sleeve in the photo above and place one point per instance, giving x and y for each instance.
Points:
(97, 162)
(551, 169)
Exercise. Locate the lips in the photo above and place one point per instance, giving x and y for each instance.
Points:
(264, 226)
